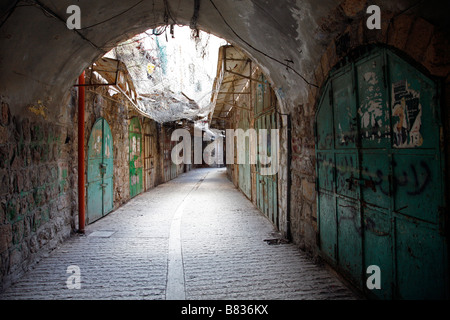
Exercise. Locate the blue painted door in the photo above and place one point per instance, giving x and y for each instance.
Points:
(100, 172)
(265, 118)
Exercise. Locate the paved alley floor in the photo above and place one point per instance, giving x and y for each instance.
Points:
(196, 237)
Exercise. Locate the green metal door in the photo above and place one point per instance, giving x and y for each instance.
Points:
(100, 172)
(167, 161)
(266, 185)
(245, 178)
(136, 170)
(379, 167)
(173, 166)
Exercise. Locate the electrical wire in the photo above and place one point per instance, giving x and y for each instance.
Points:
(260, 51)
(168, 12)
(161, 30)
(8, 13)
(113, 17)
(49, 13)
(419, 2)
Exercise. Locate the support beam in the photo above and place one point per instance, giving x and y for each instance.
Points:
(244, 76)
(233, 92)
(236, 106)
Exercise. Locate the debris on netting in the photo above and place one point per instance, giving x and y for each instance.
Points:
(173, 77)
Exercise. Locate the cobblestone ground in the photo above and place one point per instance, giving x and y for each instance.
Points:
(196, 237)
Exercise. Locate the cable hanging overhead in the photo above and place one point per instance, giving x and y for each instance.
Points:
(260, 51)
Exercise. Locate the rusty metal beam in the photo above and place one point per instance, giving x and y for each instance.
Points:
(244, 76)
(233, 92)
(236, 106)
(234, 59)
(90, 84)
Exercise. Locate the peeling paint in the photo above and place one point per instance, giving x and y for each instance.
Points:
(371, 112)
(39, 109)
(407, 116)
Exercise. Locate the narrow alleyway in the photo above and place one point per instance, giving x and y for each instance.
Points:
(195, 237)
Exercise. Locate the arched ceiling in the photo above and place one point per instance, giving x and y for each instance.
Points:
(40, 58)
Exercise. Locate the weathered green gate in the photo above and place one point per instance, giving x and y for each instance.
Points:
(380, 177)
(266, 185)
(168, 165)
(100, 172)
(149, 159)
(135, 138)
(245, 178)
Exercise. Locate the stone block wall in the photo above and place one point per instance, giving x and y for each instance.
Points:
(36, 183)
(117, 110)
(39, 173)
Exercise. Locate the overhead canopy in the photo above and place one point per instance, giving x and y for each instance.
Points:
(159, 106)
(234, 73)
(115, 74)
(40, 53)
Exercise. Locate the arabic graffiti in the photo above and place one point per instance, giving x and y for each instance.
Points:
(415, 177)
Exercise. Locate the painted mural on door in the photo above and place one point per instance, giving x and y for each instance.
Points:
(136, 167)
(100, 172)
(379, 167)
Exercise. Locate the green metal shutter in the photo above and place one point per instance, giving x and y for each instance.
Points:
(100, 172)
(136, 170)
(265, 118)
(379, 168)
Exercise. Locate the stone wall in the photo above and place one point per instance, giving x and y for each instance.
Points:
(116, 111)
(36, 185)
(39, 172)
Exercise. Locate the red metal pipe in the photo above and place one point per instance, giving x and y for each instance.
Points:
(81, 154)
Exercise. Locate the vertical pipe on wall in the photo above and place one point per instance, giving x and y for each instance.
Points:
(81, 154)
